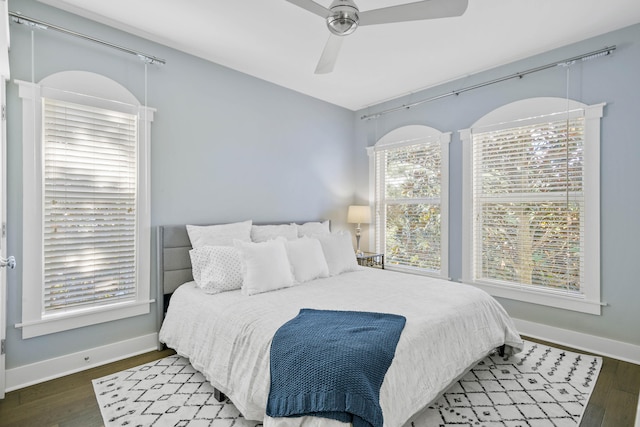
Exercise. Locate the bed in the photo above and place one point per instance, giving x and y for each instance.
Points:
(227, 335)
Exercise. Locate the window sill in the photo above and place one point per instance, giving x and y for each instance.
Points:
(416, 271)
(542, 297)
(64, 322)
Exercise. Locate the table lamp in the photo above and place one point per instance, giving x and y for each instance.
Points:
(358, 214)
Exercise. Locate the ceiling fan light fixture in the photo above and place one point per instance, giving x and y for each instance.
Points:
(344, 18)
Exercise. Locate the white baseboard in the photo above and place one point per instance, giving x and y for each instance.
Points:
(24, 376)
(591, 343)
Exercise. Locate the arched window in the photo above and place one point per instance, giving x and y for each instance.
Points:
(86, 225)
(531, 229)
(410, 168)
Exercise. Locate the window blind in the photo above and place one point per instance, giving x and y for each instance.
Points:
(528, 205)
(408, 187)
(89, 157)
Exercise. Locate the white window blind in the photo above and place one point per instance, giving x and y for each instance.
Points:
(528, 205)
(90, 172)
(408, 204)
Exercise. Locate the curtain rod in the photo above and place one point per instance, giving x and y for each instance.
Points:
(18, 18)
(584, 57)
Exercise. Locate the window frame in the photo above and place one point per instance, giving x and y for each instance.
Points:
(98, 91)
(518, 114)
(407, 136)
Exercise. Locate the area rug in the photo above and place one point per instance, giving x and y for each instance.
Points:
(541, 386)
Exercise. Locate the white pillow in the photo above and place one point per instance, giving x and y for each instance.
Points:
(265, 266)
(219, 235)
(313, 228)
(307, 259)
(216, 268)
(262, 233)
(339, 253)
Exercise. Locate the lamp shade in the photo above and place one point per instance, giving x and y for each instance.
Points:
(359, 214)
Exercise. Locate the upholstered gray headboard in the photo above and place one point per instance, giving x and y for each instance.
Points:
(174, 264)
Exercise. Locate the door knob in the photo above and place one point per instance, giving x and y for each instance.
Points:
(8, 262)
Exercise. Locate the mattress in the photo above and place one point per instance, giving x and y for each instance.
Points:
(449, 328)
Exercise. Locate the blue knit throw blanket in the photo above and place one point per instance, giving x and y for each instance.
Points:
(331, 364)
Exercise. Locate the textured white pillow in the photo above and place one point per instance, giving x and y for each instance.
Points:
(219, 235)
(216, 268)
(307, 259)
(265, 266)
(313, 228)
(339, 253)
(262, 233)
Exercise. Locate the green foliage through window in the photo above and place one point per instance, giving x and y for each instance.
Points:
(528, 204)
(408, 201)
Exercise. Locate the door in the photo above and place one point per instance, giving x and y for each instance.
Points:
(4, 261)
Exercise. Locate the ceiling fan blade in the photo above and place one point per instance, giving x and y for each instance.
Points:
(426, 9)
(312, 7)
(329, 55)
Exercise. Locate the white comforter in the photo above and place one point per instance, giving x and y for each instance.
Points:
(449, 328)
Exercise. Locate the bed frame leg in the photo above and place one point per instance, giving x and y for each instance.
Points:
(501, 350)
(218, 395)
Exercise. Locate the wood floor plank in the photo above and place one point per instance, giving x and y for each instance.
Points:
(627, 377)
(50, 409)
(593, 416)
(620, 411)
(606, 380)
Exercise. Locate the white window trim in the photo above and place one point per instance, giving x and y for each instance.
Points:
(99, 91)
(405, 136)
(589, 301)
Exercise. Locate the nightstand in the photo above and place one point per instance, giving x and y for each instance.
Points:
(370, 259)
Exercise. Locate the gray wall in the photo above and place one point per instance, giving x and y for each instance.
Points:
(614, 80)
(225, 147)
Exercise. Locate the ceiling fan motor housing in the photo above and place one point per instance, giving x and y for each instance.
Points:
(344, 18)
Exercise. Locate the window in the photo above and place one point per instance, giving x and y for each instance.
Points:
(532, 203)
(410, 168)
(86, 209)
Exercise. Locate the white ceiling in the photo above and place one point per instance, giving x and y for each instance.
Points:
(279, 42)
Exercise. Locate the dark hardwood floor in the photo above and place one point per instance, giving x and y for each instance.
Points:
(64, 402)
(70, 402)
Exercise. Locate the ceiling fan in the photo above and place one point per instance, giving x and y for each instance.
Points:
(343, 17)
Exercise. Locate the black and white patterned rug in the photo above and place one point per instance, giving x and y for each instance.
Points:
(542, 386)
